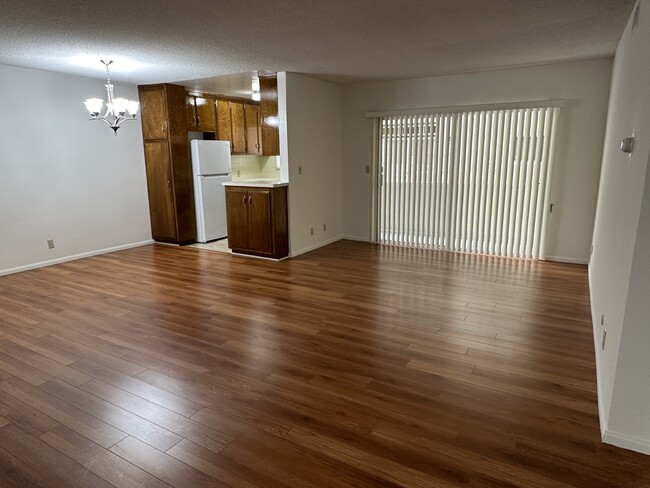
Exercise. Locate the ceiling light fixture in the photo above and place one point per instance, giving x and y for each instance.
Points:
(117, 109)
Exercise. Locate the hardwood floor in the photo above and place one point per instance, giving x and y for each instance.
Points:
(352, 366)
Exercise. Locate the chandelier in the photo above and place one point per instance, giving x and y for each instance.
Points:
(117, 109)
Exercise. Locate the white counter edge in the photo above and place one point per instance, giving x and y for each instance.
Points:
(257, 184)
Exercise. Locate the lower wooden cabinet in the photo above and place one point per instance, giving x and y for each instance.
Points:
(257, 220)
(159, 185)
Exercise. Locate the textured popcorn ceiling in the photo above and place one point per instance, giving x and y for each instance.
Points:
(341, 40)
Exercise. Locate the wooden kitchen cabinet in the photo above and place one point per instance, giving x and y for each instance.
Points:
(161, 197)
(252, 122)
(167, 160)
(257, 220)
(153, 114)
(237, 217)
(238, 122)
(224, 121)
(270, 134)
(201, 114)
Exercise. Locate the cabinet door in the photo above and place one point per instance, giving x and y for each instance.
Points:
(206, 117)
(251, 113)
(269, 113)
(238, 128)
(224, 123)
(237, 216)
(259, 218)
(159, 186)
(153, 113)
(190, 108)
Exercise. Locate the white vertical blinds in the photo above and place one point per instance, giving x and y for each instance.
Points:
(474, 181)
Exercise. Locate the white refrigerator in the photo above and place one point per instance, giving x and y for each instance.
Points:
(211, 167)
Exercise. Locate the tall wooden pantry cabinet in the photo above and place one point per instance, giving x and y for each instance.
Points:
(168, 164)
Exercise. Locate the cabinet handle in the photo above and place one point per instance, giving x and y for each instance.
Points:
(250, 200)
(193, 120)
(198, 121)
(244, 200)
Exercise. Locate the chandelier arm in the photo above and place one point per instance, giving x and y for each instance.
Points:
(119, 120)
(108, 121)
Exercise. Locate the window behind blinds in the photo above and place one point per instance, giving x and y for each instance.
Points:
(471, 181)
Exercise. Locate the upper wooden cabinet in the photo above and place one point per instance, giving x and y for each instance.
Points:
(238, 128)
(224, 121)
(153, 113)
(250, 127)
(201, 113)
(167, 159)
(252, 123)
(269, 115)
(190, 111)
(238, 121)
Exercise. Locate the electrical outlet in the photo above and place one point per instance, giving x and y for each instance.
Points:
(604, 337)
(602, 319)
(591, 251)
(238, 173)
(311, 231)
(324, 227)
(299, 169)
(50, 243)
(367, 169)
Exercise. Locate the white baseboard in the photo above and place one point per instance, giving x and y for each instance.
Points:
(562, 259)
(74, 257)
(304, 250)
(627, 441)
(356, 238)
(599, 384)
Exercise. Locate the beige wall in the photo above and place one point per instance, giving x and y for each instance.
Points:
(313, 157)
(583, 85)
(63, 177)
(619, 270)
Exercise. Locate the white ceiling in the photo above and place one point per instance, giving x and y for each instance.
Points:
(340, 40)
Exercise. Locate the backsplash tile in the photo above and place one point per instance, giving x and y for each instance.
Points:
(252, 167)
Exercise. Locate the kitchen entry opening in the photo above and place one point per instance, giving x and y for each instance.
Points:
(468, 181)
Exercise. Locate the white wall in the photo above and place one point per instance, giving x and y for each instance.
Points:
(314, 154)
(63, 177)
(619, 270)
(584, 86)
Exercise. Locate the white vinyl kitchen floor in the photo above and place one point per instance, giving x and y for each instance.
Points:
(220, 245)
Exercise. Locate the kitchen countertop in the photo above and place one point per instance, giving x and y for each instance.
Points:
(261, 183)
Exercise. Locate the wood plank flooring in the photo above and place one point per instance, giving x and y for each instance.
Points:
(352, 366)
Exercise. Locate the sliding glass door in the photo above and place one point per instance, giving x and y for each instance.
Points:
(476, 181)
